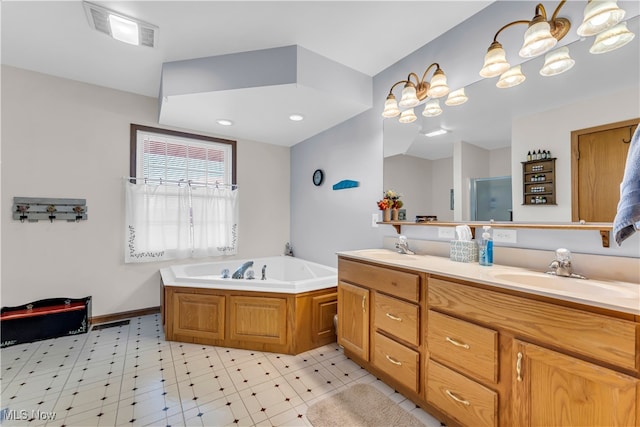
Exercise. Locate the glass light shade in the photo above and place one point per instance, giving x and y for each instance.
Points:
(599, 15)
(537, 40)
(390, 107)
(409, 98)
(407, 116)
(511, 77)
(432, 108)
(495, 61)
(557, 62)
(124, 29)
(438, 87)
(457, 97)
(612, 39)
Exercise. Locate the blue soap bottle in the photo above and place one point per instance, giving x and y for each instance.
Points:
(485, 256)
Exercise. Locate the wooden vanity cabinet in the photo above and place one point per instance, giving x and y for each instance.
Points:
(568, 365)
(381, 322)
(476, 355)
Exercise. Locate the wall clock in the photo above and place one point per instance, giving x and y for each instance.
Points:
(318, 177)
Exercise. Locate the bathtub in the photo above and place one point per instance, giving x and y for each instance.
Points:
(284, 274)
(290, 312)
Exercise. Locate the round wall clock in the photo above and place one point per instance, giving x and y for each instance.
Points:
(318, 177)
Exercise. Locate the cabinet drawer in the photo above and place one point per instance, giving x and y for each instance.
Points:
(397, 317)
(398, 283)
(593, 335)
(398, 361)
(465, 400)
(463, 345)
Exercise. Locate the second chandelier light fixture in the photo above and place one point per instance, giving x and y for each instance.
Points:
(416, 90)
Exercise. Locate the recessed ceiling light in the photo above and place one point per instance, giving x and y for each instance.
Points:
(124, 29)
(224, 122)
(436, 133)
(296, 117)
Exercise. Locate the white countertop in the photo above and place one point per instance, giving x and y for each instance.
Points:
(609, 294)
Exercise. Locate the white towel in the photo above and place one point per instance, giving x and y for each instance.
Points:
(627, 219)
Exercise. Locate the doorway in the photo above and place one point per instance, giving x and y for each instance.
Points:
(598, 157)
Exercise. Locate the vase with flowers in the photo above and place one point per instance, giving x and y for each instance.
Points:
(389, 204)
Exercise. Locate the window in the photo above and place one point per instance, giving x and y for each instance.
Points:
(181, 201)
(173, 156)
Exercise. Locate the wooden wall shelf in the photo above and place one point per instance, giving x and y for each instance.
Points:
(604, 227)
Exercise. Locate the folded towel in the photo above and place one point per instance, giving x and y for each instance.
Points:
(627, 219)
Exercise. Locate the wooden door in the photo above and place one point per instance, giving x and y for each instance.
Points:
(553, 389)
(599, 156)
(353, 319)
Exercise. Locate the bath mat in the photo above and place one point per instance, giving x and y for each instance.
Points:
(361, 405)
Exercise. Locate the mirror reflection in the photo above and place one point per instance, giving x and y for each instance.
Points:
(489, 136)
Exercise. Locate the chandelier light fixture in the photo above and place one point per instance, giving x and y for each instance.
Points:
(601, 17)
(417, 90)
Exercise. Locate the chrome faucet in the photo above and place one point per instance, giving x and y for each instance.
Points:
(403, 246)
(239, 273)
(561, 266)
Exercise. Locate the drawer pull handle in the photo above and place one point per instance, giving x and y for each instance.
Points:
(456, 398)
(457, 343)
(364, 300)
(519, 366)
(392, 360)
(392, 317)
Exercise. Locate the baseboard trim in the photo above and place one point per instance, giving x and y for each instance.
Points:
(124, 315)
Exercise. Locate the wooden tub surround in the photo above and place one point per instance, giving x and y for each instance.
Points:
(476, 355)
(265, 321)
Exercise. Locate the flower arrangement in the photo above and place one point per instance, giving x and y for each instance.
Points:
(390, 200)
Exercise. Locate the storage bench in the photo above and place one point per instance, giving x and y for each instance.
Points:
(44, 319)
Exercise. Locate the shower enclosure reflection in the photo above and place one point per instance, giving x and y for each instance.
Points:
(491, 199)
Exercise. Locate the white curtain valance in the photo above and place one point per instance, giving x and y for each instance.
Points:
(166, 222)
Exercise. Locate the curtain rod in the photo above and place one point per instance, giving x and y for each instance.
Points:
(161, 181)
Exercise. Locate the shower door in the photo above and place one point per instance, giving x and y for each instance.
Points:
(491, 199)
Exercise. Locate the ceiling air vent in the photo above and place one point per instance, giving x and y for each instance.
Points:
(100, 19)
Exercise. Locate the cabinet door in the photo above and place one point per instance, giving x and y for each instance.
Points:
(553, 389)
(258, 319)
(199, 315)
(353, 319)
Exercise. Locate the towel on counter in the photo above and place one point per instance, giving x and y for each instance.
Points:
(627, 219)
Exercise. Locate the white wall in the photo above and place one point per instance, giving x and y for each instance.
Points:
(62, 138)
(557, 125)
(412, 177)
(500, 162)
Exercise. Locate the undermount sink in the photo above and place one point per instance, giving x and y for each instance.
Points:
(561, 284)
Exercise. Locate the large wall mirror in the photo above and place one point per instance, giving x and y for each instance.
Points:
(490, 135)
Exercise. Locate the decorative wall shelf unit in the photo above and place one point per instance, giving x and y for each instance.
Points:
(539, 182)
(603, 227)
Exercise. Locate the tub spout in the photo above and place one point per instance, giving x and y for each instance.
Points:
(239, 273)
(264, 272)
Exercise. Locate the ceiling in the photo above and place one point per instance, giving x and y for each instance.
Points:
(54, 37)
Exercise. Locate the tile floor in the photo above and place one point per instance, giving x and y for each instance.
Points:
(129, 375)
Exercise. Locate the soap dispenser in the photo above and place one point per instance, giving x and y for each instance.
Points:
(485, 249)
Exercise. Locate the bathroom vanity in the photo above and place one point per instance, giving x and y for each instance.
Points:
(493, 346)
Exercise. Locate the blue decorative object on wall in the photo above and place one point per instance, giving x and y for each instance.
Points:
(347, 183)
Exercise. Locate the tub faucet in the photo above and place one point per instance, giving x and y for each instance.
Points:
(403, 246)
(239, 273)
(561, 266)
(264, 272)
